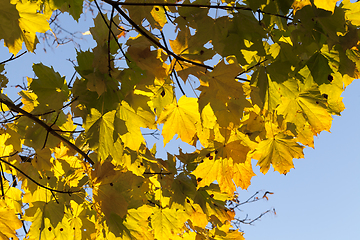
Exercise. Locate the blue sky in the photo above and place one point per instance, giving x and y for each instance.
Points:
(316, 200)
(319, 199)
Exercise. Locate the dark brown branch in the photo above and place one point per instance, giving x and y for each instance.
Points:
(1, 182)
(23, 223)
(176, 78)
(152, 39)
(63, 131)
(14, 108)
(223, 7)
(31, 179)
(161, 173)
(72, 78)
(52, 193)
(242, 79)
(47, 134)
(13, 57)
(112, 33)
(168, 16)
(109, 38)
(249, 69)
(52, 111)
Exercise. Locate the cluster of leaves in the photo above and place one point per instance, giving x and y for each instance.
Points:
(283, 66)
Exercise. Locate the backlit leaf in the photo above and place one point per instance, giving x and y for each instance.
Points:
(9, 222)
(180, 118)
(278, 151)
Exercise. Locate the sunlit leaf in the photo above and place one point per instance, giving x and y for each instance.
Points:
(9, 222)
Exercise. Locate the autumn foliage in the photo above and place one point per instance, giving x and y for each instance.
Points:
(280, 69)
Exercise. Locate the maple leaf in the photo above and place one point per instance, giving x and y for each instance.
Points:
(20, 22)
(166, 223)
(220, 84)
(308, 106)
(278, 151)
(352, 11)
(9, 222)
(102, 127)
(278, 81)
(180, 118)
(73, 7)
(49, 86)
(183, 46)
(133, 121)
(327, 5)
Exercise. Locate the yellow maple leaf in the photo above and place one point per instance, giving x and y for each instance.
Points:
(221, 82)
(8, 222)
(22, 21)
(225, 171)
(328, 5)
(134, 120)
(167, 223)
(242, 174)
(278, 151)
(158, 13)
(180, 119)
(352, 11)
(308, 106)
(220, 170)
(43, 160)
(5, 147)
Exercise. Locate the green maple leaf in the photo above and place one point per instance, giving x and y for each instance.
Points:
(50, 88)
(73, 7)
(100, 132)
(307, 106)
(134, 120)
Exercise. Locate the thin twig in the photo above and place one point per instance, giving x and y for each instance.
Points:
(112, 33)
(47, 134)
(161, 173)
(109, 38)
(251, 221)
(176, 78)
(13, 57)
(1, 182)
(52, 111)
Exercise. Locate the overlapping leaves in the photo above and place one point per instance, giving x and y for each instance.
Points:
(277, 84)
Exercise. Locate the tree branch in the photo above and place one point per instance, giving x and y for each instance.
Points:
(246, 220)
(110, 31)
(176, 78)
(13, 57)
(31, 179)
(152, 39)
(223, 7)
(15, 108)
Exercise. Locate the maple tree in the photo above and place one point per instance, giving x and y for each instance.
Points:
(282, 68)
